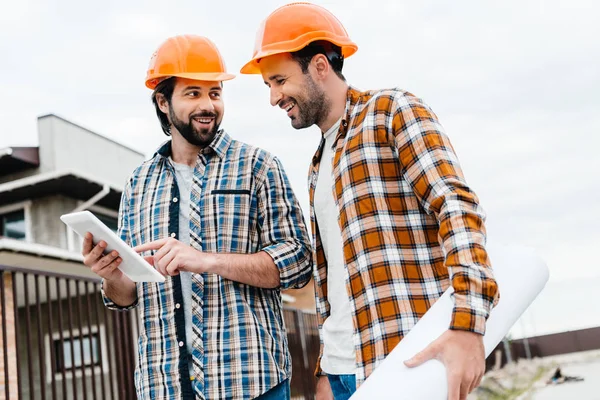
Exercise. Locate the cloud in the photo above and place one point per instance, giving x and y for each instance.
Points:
(514, 83)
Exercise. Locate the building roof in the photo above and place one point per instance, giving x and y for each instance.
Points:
(40, 250)
(16, 159)
(68, 183)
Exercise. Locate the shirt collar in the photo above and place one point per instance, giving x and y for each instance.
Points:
(219, 146)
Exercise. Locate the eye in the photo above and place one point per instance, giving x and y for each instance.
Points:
(193, 93)
(215, 95)
(279, 81)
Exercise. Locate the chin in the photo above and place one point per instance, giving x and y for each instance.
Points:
(299, 125)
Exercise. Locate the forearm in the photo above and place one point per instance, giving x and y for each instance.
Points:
(257, 269)
(432, 169)
(464, 238)
(122, 292)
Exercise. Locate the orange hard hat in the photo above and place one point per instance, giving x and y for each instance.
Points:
(292, 27)
(187, 56)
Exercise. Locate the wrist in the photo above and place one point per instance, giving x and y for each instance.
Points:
(211, 263)
(121, 281)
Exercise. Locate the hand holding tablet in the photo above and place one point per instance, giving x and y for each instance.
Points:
(134, 266)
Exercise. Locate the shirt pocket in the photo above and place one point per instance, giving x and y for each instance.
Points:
(231, 216)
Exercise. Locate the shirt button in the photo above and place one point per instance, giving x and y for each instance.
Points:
(173, 234)
(180, 344)
(175, 199)
(177, 305)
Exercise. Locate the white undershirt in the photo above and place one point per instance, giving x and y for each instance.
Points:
(339, 357)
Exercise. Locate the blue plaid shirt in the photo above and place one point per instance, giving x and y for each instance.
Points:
(241, 202)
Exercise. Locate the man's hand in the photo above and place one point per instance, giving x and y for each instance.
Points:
(173, 256)
(117, 286)
(463, 355)
(106, 266)
(323, 389)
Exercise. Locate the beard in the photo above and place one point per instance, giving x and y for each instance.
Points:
(313, 105)
(201, 137)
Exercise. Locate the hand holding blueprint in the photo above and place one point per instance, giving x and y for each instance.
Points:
(521, 276)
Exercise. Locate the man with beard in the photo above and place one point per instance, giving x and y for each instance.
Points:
(219, 219)
(394, 222)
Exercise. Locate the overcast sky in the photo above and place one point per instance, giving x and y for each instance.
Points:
(515, 83)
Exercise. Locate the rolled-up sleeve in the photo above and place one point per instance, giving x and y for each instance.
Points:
(282, 229)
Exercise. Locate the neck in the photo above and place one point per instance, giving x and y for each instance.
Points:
(182, 151)
(337, 90)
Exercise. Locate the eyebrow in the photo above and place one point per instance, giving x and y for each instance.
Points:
(201, 88)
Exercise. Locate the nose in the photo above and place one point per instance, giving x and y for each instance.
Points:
(205, 103)
(275, 96)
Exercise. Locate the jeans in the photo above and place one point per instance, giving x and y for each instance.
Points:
(279, 392)
(342, 386)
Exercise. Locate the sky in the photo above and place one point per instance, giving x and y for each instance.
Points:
(514, 83)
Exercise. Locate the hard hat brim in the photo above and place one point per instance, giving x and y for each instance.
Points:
(200, 76)
(252, 67)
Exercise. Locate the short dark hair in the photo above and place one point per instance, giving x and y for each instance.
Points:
(328, 49)
(166, 88)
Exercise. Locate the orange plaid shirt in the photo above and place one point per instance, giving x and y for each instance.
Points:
(410, 224)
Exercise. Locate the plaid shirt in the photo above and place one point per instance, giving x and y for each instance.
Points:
(241, 202)
(410, 224)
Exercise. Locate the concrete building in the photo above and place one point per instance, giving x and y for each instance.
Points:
(56, 337)
(57, 340)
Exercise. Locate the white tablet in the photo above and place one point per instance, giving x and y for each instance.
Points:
(133, 265)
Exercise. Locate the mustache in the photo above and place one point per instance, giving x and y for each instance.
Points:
(287, 100)
(204, 114)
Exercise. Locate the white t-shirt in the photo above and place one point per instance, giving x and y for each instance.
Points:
(339, 354)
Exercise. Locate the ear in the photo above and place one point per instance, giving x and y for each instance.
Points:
(321, 66)
(162, 102)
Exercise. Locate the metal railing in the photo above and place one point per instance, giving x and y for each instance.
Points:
(303, 341)
(60, 342)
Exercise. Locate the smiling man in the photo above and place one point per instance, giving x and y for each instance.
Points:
(225, 228)
(394, 222)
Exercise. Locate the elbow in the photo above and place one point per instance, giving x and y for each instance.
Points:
(302, 273)
(293, 260)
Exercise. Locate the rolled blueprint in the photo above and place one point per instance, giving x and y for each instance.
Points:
(521, 276)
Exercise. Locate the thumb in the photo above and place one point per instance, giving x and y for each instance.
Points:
(426, 354)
